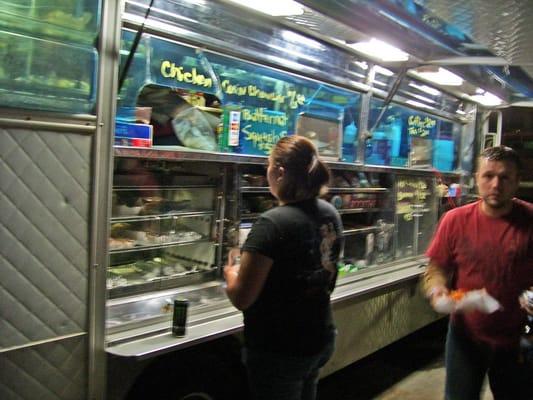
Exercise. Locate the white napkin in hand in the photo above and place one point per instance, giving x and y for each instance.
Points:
(478, 300)
(444, 305)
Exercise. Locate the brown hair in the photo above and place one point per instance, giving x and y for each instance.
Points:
(502, 153)
(306, 176)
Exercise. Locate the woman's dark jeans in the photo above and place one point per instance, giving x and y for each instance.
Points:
(284, 377)
(467, 363)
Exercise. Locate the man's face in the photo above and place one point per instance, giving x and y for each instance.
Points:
(497, 182)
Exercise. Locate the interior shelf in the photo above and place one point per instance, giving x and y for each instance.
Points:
(156, 246)
(138, 218)
(357, 190)
(357, 231)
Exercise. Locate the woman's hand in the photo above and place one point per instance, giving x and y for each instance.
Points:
(245, 280)
(526, 303)
(231, 270)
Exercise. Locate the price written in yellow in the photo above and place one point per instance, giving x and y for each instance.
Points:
(410, 192)
(263, 141)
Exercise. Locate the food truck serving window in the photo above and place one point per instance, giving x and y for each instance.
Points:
(409, 138)
(33, 36)
(258, 105)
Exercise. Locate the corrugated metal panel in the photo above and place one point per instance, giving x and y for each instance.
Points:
(504, 27)
(450, 33)
(367, 324)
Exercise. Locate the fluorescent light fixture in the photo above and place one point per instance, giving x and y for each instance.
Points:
(381, 50)
(196, 2)
(360, 85)
(150, 22)
(288, 63)
(361, 64)
(376, 82)
(297, 54)
(419, 104)
(423, 98)
(425, 89)
(356, 74)
(275, 8)
(440, 76)
(294, 37)
(383, 71)
(487, 99)
(523, 103)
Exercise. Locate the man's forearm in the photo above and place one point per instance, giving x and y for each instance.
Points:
(434, 277)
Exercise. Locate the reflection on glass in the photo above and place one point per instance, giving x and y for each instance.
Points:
(408, 138)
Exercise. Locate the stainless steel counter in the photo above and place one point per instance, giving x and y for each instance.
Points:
(223, 319)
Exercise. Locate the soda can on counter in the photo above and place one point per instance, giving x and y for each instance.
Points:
(179, 317)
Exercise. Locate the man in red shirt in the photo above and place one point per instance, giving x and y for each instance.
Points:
(488, 245)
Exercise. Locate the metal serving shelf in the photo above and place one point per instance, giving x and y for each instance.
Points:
(157, 246)
(358, 190)
(179, 214)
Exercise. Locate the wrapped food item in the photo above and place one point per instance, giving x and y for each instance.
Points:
(467, 301)
(120, 243)
(340, 182)
(457, 295)
(156, 205)
(255, 180)
(194, 130)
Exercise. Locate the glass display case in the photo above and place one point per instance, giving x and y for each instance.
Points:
(33, 35)
(254, 105)
(163, 225)
(170, 237)
(74, 21)
(176, 214)
(30, 73)
(416, 213)
(363, 199)
(138, 311)
(255, 196)
(413, 139)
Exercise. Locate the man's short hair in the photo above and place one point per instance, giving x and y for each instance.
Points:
(502, 153)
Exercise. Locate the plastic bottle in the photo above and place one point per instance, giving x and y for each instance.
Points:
(348, 142)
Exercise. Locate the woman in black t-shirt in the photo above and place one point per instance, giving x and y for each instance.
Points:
(286, 274)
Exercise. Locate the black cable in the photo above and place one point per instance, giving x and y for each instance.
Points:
(388, 99)
(127, 64)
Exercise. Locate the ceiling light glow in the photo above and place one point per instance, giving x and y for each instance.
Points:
(440, 76)
(487, 99)
(381, 50)
(275, 8)
(426, 89)
(419, 104)
(361, 64)
(383, 71)
(294, 37)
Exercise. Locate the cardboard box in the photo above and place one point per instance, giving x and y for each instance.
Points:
(134, 135)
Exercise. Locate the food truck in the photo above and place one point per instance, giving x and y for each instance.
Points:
(134, 139)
